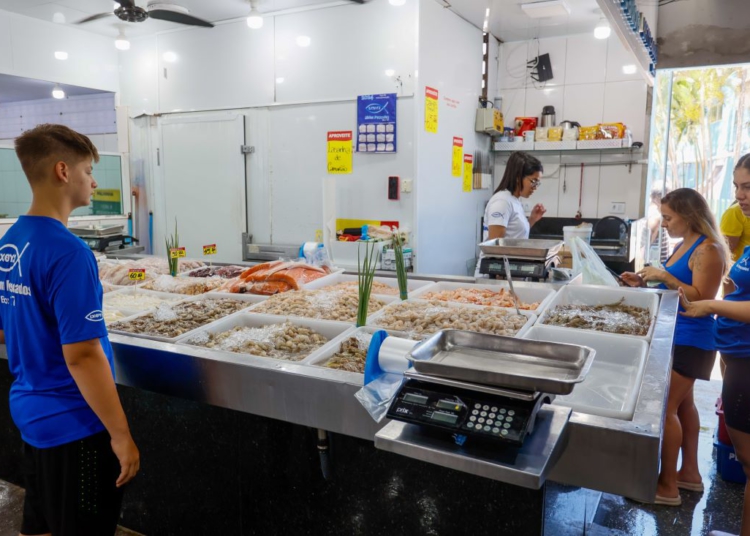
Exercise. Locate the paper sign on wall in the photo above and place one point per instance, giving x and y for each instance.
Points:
(468, 172)
(340, 152)
(376, 123)
(458, 153)
(431, 110)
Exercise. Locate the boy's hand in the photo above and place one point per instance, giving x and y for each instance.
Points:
(129, 457)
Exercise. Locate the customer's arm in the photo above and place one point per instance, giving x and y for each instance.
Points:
(2, 337)
(707, 266)
(90, 369)
(739, 310)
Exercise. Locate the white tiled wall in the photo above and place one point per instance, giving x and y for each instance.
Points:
(590, 87)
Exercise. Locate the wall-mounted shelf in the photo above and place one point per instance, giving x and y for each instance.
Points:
(629, 39)
(627, 156)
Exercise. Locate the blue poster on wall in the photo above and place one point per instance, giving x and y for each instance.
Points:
(376, 123)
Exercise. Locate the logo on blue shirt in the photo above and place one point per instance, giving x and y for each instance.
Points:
(95, 316)
(497, 215)
(10, 257)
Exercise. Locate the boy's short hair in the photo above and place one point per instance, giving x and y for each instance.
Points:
(38, 147)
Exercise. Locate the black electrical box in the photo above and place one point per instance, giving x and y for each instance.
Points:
(394, 191)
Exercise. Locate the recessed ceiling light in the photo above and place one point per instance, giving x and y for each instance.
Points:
(390, 72)
(61, 55)
(280, 80)
(629, 69)
(548, 8)
(169, 57)
(397, 2)
(602, 31)
(57, 92)
(303, 41)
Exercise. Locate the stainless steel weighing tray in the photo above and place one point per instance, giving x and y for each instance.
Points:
(98, 231)
(517, 248)
(521, 364)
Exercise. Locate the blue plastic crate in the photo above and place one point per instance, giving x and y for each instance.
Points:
(729, 467)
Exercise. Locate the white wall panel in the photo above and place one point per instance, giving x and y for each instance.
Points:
(92, 59)
(350, 49)
(584, 103)
(617, 58)
(514, 104)
(557, 49)
(626, 102)
(6, 50)
(537, 99)
(139, 82)
(570, 182)
(586, 59)
(512, 69)
(228, 66)
(617, 184)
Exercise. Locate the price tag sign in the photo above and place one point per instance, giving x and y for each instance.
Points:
(136, 275)
(468, 173)
(431, 110)
(339, 153)
(457, 157)
(209, 249)
(176, 253)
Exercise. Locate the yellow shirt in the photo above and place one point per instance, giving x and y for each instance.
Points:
(735, 223)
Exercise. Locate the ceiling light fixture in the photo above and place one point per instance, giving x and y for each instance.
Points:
(390, 72)
(602, 30)
(254, 19)
(303, 41)
(629, 69)
(397, 2)
(61, 55)
(57, 92)
(58, 18)
(122, 43)
(549, 8)
(169, 57)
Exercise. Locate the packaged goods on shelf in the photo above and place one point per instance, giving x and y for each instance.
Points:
(327, 305)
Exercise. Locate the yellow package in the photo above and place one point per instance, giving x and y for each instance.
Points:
(611, 131)
(588, 133)
(554, 134)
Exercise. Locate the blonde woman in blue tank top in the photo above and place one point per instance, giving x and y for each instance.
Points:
(697, 267)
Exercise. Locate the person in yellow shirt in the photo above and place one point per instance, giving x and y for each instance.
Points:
(735, 226)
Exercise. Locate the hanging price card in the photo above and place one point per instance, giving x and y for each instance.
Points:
(209, 249)
(468, 172)
(458, 153)
(136, 275)
(340, 152)
(431, 110)
(176, 253)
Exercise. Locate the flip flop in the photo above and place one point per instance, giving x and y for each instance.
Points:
(668, 501)
(691, 486)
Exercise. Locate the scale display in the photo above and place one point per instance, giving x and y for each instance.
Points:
(521, 269)
(462, 411)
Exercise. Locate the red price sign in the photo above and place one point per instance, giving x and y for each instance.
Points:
(209, 249)
(176, 253)
(137, 275)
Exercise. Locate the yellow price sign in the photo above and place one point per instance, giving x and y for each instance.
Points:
(468, 173)
(339, 155)
(135, 274)
(177, 253)
(431, 110)
(458, 153)
(209, 249)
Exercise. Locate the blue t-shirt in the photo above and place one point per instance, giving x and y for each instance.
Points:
(733, 336)
(50, 295)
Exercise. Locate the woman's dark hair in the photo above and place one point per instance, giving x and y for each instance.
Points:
(743, 162)
(519, 165)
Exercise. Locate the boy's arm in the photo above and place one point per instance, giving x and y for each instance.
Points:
(90, 369)
(2, 337)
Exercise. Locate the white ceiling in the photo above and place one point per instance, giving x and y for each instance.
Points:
(506, 22)
(16, 89)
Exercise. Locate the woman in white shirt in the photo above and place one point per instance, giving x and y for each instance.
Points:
(504, 216)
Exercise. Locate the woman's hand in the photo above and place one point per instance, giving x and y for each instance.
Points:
(649, 273)
(537, 213)
(695, 309)
(632, 280)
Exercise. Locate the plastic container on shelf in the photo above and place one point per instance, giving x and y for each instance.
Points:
(581, 231)
(727, 464)
(721, 430)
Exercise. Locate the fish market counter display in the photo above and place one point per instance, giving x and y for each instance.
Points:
(249, 424)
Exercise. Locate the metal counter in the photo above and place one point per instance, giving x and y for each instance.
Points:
(606, 454)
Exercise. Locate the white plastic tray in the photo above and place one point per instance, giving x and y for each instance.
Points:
(414, 286)
(595, 295)
(330, 330)
(526, 294)
(387, 299)
(373, 320)
(613, 383)
(172, 298)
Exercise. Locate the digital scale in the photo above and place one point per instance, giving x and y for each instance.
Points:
(528, 259)
(107, 238)
(534, 269)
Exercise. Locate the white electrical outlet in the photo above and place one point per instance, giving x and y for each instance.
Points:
(406, 186)
(616, 208)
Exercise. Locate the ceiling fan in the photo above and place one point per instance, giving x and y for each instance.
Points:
(129, 12)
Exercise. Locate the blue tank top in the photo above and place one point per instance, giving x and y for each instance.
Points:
(697, 332)
(733, 336)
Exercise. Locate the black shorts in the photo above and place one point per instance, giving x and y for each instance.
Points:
(693, 362)
(735, 393)
(70, 489)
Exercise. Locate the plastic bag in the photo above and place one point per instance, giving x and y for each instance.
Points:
(588, 263)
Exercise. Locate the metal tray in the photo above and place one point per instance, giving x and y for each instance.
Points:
(97, 230)
(527, 365)
(511, 247)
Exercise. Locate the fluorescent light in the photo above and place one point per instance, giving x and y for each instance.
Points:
(57, 92)
(602, 31)
(390, 72)
(487, 13)
(629, 69)
(397, 2)
(303, 41)
(280, 80)
(169, 56)
(61, 55)
(549, 8)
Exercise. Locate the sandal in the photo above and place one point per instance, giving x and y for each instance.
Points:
(691, 486)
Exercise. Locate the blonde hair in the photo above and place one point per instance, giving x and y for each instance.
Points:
(693, 208)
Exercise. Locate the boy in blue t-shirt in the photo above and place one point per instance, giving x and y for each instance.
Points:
(78, 451)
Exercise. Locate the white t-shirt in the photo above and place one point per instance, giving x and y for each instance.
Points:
(506, 209)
